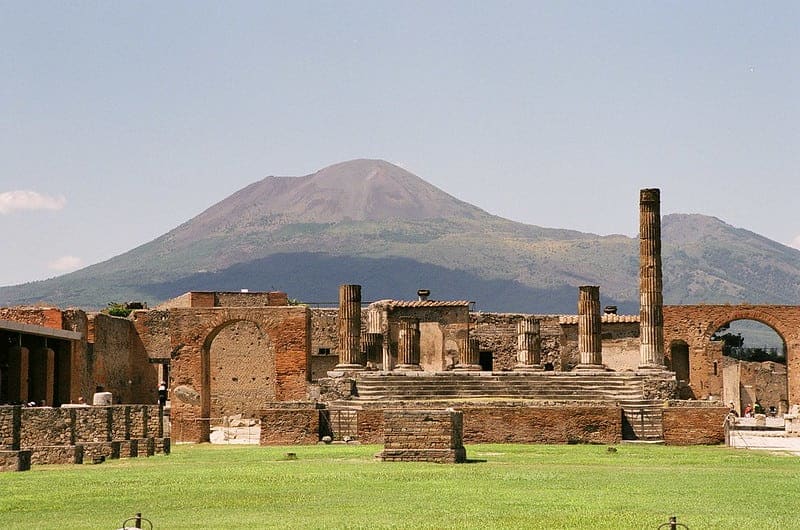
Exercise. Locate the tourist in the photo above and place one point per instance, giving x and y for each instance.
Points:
(162, 393)
(732, 409)
(748, 410)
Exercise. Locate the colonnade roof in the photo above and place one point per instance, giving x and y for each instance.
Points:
(41, 331)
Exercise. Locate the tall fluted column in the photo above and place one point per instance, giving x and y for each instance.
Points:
(349, 328)
(590, 346)
(468, 354)
(408, 344)
(529, 345)
(651, 302)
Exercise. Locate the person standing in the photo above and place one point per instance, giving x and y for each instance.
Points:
(162, 393)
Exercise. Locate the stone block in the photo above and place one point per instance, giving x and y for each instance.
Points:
(161, 446)
(15, 461)
(128, 448)
(423, 436)
(56, 454)
(96, 452)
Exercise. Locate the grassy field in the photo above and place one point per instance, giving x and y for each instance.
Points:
(504, 486)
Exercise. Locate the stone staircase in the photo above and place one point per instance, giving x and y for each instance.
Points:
(642, 420)
(540, 386)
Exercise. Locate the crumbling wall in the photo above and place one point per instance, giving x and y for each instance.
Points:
(497, 332)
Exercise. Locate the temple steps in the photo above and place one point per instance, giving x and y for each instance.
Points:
(601, 386)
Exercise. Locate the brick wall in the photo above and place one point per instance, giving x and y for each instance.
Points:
(295, 425)
(497, 332)
(694, 425)
(544, 425)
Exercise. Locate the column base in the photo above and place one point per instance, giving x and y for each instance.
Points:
(407, 368)
(651, 368)
(467, 368)
(529, 368)
(343, 369)
(591, 368)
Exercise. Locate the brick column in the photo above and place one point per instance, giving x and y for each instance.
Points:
(408, 344)
(590, 346)
(651, 303)
(529, 345)
(468, 354)
(349, 328)
(17, 374)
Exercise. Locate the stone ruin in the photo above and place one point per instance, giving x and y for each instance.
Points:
(598, 377)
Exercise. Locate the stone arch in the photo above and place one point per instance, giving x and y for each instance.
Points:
(697, 323)
(759, 315)
(238, 373)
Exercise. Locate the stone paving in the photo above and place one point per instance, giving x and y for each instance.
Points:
(776, 441)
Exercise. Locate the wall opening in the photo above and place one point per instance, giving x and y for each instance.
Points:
(486, 360)
(679, 354)
(753, 366)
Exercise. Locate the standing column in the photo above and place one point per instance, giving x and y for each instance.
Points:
(372, 345)
(408, 344)
(651, 302)
(529, 345)
(590, 346)
(468, 354)
(349, 328)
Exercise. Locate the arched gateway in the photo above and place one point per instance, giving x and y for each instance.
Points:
(695, 324)
(235, 359)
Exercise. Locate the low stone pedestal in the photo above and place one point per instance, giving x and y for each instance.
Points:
(96, 452)
(15, 461)
(56, 454)
(423, 436)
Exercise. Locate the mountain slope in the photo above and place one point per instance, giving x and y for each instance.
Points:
(370, 222)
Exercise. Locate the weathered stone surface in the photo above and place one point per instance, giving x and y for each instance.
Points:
(187, 394)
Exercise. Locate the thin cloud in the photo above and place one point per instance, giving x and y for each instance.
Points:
(795, 242)
(65, 263)
(11, 201)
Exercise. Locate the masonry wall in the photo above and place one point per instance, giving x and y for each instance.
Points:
(694, 425)
(518, 424)
(497, 332)
(543, 425)
(69, 434)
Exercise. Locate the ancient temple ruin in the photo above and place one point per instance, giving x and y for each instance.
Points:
(304, 372)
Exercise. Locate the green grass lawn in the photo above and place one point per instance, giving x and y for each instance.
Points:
(504, 486)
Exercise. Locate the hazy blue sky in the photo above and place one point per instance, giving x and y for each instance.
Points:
(126, 119)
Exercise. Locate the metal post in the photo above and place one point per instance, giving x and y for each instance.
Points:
(138, 520)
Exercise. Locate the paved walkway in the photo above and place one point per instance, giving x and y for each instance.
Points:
(764, 440)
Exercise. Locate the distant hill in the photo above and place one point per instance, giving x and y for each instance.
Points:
(373, 223)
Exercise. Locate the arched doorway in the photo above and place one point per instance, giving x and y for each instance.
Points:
(753, 365)
(238, 374)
